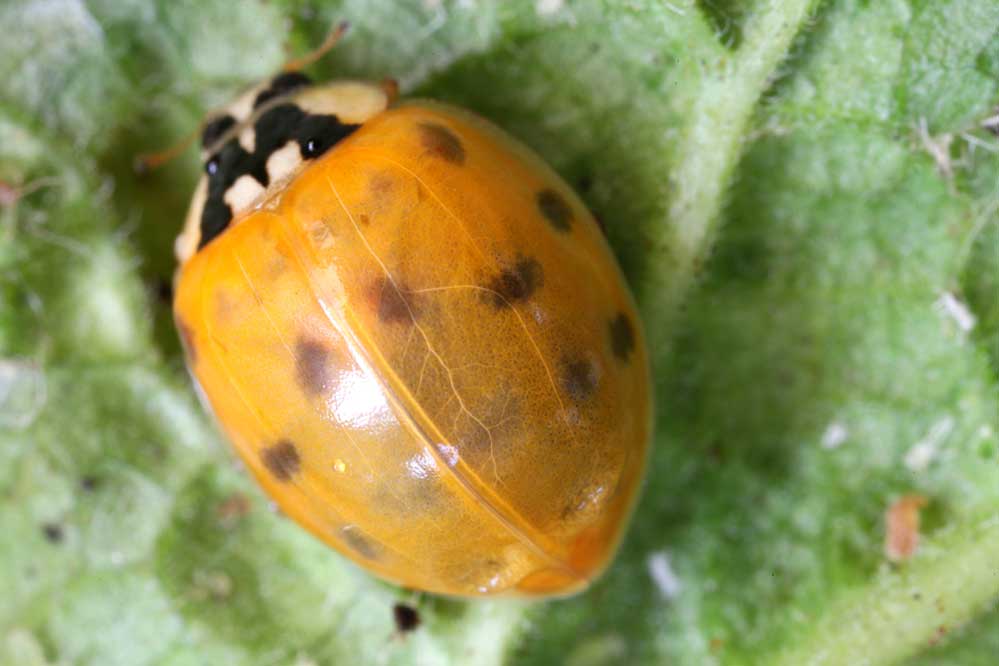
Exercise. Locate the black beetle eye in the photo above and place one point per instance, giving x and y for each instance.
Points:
(312, 148)
(212, 166)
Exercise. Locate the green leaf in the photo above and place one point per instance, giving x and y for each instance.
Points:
(804, 196)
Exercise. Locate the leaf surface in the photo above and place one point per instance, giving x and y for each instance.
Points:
(804, 196)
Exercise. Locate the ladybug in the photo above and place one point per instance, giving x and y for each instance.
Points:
(416, 338)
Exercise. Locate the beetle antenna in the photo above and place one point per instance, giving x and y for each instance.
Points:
(332, 38)
(146, 162)
(149, 161)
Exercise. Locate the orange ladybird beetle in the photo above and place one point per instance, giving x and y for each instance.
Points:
(415, 336)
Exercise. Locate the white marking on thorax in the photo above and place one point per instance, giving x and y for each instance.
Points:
(283, 161)
(350, 101)
(242, 193)
(248, 138)
(242, 107)
(187, 242)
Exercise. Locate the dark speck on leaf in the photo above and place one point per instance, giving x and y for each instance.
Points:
(406, 617)
(164, 291)
(53, 532)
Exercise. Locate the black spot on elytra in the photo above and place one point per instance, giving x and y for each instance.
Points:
(53, 532)
(187, 340)
(441, 142)
(359, 542)
(555, 209)
(380, 191)
(282, 84)
(381, 184)
(395, 305)
(516, 283)
(622, 336)
(215, 129)
(312, 366)
(406, 617)
(579, 378)
(89, 483)
(314, 134)
(281, 460)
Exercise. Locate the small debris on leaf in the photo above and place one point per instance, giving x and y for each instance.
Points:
(902, 527)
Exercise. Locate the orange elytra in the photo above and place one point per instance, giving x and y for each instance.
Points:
(416, 337)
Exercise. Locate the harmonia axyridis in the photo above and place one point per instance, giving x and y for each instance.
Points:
(416, 337)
